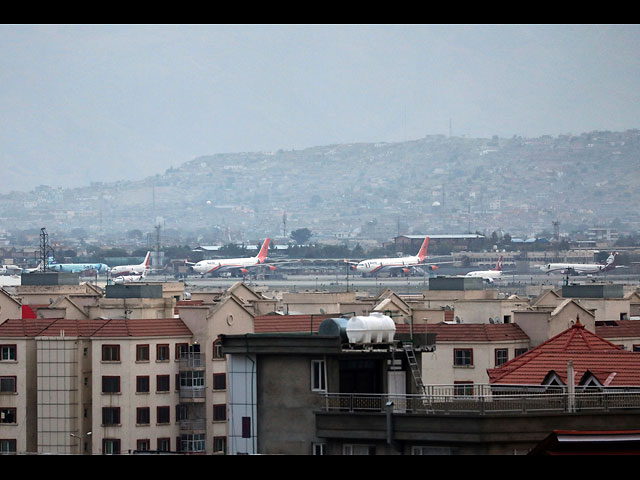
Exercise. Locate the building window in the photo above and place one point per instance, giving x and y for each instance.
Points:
(318, 379)
(143, 416)
(424, 450)
(110, 384)
(217, 349)
(246, 427)
(501, 356)
(181, 412)
(463, 389)
(636, 348)
(162, 383)
(192, 379)
(142, 353)
(8, 446)
(143, 445)
(520, 351)
(463, 357)
(8, 415)
(219, 413)
(318, 449)
(219, 381)
(163, 415)
(164, 444)
(111, 353)
(111, 446)
(182, 350)
(192, 442)
(356, 449)
(162, 353)
(220, 445)
(110, 416)
(142, 384)
(8, 353)
(7, 384)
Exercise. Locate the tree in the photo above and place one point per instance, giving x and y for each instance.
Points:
(301, 235)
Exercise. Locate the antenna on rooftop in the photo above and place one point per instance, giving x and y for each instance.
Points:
(158, 226)
(45, 250)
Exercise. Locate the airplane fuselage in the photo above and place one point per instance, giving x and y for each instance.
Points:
(78, 267)
(128, 279)
(579, 268)
(10, 270)
(379, 265)
(204, 267)
(131, 269)
(212, 266)
(486, 274)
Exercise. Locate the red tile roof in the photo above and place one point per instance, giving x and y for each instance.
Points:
(589, 353)
(619, 328)
(469, 332)
(163, 327)
(289, 323)
(27, 327)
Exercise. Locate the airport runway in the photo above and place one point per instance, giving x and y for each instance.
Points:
(333, 283)
(341, 283)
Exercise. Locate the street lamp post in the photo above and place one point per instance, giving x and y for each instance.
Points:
(82, 438)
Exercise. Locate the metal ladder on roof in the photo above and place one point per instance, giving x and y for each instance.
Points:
(415, 371)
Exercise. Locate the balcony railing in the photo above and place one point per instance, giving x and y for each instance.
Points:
(192, 360)
(487, 404)
(193, 392)
(196, 424)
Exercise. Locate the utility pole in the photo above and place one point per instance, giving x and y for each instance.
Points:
(284, 224)
(157, 227)
(45, 250)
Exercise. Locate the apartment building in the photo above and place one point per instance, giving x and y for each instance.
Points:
(606, 301)
(464, 352)
(96, 386)
(9, 306)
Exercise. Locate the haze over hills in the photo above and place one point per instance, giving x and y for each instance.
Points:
(435, 184)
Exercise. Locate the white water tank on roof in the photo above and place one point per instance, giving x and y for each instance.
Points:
(376, 328)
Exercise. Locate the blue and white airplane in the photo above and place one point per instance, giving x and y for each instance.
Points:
(77, 267)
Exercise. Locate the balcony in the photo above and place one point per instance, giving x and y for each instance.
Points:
(439, 401)
(198, 424)
(199, 392)
(191, 360)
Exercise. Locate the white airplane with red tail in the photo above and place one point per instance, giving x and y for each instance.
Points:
(132, 270)
(242, 265)
(488, 275)
(395, 265)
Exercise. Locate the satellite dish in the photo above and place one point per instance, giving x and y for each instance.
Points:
(491, 320)
(458, 319)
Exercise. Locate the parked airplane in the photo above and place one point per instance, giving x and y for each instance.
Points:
(10, 270)
(488, 275)
(396, 265)
(77, 267)
(243, 265)
(582, 268)
(131, 269)
(34, 269)
(121, 279)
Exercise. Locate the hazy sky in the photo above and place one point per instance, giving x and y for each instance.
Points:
(81, 103)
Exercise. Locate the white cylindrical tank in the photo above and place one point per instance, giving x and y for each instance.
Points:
(376, 328)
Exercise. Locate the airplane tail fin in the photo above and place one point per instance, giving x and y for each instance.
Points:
(422, 254)
(262, 255)
(147, 260)
(611, 261)
(499, 265)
